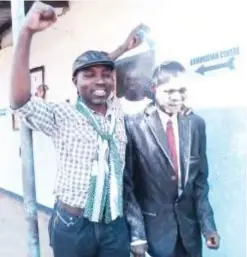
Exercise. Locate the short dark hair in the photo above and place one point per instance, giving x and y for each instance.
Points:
(172, 67)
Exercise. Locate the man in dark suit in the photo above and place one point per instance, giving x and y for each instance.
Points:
(166, 174)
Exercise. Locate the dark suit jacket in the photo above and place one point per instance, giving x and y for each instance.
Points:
(154, 210)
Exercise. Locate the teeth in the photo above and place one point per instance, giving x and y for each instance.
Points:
(100, 92)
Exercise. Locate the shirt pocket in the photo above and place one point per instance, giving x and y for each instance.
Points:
(149, 213)
(81, 144)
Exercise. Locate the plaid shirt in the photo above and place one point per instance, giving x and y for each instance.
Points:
(75, 141)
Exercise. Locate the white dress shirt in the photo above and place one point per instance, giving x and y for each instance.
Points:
(133, 107)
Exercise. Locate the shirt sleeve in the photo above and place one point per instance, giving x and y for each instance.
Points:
(38, 115)
(138, 242)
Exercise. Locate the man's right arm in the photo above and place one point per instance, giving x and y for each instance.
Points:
(35, 112)
(39, 17)
(20, 75)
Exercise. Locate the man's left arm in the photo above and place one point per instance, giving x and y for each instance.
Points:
(132, 41)
(204, 210)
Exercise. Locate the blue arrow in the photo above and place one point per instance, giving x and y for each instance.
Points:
(229, 64)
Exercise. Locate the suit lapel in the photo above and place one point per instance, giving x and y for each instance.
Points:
(156, 127)
(184, 127)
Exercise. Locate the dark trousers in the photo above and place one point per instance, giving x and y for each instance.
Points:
(73, 236)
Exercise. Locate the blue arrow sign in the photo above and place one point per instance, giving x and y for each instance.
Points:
(3, 112)
(229, 64)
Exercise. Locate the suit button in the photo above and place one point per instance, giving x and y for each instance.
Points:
(173, 178)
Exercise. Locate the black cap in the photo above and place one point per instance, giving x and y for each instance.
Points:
(91, 58)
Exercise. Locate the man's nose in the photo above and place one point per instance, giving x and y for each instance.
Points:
(100, 80)
(176, 96)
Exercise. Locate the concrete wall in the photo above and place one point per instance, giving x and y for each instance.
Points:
(183, 30)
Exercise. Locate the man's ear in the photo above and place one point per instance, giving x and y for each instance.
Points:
(74, 79)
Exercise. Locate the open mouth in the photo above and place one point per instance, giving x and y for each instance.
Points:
(175, 103)
(100, 93)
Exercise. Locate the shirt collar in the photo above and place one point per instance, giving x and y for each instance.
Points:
(111, 106)
(165, 117)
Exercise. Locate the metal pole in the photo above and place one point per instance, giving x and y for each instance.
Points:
(28, 175)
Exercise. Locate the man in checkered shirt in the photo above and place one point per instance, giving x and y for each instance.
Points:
(90, 141)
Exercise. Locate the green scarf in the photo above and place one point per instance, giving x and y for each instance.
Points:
(106, 175)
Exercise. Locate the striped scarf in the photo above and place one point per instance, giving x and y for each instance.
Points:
(104, 202)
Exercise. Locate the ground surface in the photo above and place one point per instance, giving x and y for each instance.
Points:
(13, 230)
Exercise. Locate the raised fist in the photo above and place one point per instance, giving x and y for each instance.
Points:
(40, 16)
(134, 40)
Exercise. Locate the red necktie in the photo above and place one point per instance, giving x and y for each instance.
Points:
(172, 145)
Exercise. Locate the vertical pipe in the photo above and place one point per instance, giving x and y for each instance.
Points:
(28, 175)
